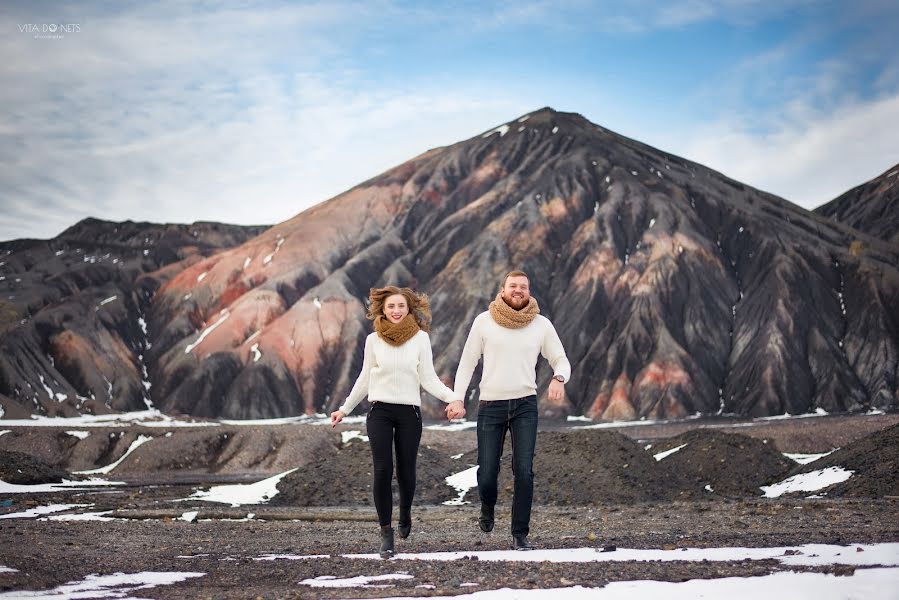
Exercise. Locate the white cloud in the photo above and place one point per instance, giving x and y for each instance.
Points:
(149, 117)
(252, 114)
(810, 157)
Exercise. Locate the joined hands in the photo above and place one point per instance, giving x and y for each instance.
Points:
(455, 410)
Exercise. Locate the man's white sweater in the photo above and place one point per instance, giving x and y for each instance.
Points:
(510, 357)
(395, 374)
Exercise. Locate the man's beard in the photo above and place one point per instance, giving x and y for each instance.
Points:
(516, 303)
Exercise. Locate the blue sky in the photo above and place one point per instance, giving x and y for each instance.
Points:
(251, 112)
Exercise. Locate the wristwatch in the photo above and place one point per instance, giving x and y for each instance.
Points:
(559, 378)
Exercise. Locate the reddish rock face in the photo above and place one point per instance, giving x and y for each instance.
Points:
(674, 289)
(75, 334)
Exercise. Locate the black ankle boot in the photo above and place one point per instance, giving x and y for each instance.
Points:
(520, 542)
(404, 526)
(485, 521)
(386, 550)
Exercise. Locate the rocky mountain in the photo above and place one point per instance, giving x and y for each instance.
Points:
(675, 290)
(72, 328)
(872, 207)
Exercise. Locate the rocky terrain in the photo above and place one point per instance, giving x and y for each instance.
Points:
(574, 465)
(872, 207)
(156, 525)
(73, 312)
(676, 290)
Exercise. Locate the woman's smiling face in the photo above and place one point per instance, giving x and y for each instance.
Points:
(396, 307)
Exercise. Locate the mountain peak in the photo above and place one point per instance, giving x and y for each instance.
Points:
(674, 289)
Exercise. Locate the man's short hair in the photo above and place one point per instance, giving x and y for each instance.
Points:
(514, 274)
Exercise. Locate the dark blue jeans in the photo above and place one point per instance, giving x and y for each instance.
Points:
(519, 417)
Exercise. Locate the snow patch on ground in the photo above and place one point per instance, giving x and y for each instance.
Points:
(804, 459)
(207, 331)
(14, 488)
(41, 510)
(117, 585)
(268, 258)
(92, 516)
(81, 435)
(667, 453)
(316, 419)
(143, 418)
(242, 493)
(330, 581)
(869, 583)
(347, 436)
(807, 482)
(502, 130)
(140, 441)
(454, 426)
(789, 416)
(462, 482)
(886, 554)
(291, 557)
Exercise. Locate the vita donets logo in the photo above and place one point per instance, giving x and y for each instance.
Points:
(50, 28)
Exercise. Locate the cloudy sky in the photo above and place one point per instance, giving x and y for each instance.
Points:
(251, 112)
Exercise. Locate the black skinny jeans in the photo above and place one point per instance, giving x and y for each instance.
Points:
(392, 425)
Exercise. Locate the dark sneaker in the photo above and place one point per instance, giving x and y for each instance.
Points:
(485, 521)
(520, 542)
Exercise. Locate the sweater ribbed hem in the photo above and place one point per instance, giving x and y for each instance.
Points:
(416, 402)
(523, 392)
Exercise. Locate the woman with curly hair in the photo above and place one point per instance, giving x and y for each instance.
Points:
(396, 363)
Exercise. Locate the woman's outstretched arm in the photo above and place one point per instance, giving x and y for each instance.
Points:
(360, 388)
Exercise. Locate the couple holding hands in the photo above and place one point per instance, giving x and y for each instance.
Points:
(510, 336)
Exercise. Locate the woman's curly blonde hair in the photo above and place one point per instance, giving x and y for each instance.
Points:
(419, 306)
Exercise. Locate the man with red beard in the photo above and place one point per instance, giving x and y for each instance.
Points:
(510, 336)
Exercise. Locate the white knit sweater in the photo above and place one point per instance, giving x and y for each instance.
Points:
(395, 373)
(510, 357)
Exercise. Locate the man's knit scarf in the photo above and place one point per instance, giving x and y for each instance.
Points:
(396, 334)
(507, 316)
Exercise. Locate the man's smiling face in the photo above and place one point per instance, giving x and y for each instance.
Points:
(516, 291)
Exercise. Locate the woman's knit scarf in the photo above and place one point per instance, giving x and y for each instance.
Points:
(507, 316)
(396, 334)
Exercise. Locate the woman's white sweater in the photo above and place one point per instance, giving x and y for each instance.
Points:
(395, 374)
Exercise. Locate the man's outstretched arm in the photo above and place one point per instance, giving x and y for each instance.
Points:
(471, 354)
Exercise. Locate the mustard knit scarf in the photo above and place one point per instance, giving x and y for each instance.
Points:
(507, 316)
(396, 334)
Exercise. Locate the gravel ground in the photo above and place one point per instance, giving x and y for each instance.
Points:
(50, 553)
(586, 497)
